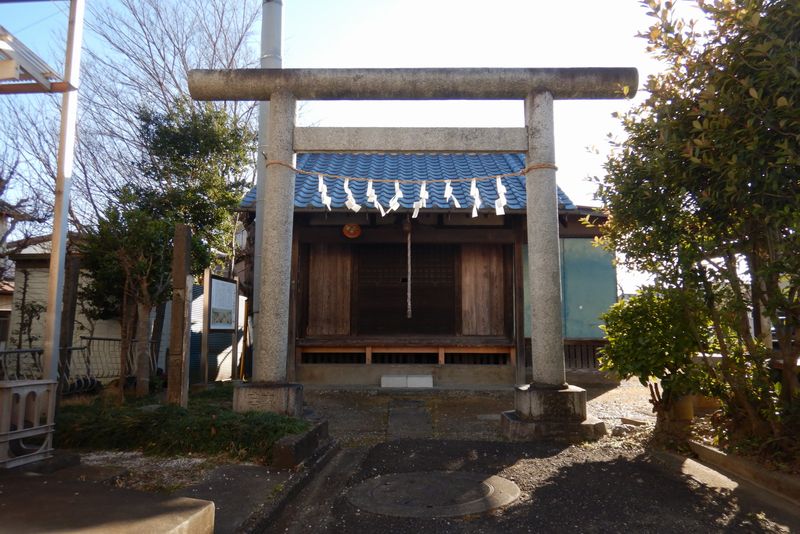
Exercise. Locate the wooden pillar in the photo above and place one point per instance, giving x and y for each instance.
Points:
(521, 371)
(206, 326)
(291, 363)
(235, 335)
(178, 363)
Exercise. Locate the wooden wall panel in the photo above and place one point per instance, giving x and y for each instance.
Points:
(330, 269)
(482, 297)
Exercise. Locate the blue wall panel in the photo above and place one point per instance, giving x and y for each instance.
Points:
(589, 287)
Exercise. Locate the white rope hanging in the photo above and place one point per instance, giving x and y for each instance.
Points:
(408, 273)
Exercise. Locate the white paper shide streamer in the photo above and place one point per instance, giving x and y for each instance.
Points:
(501, 201)
(373, 198)
(448, 194)
(423, 199)
(394, 202)
(351, 201)
(323, 192)
(476, 194)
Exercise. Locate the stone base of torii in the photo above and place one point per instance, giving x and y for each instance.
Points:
(545, 407)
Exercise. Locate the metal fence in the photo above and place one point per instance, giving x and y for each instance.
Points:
(93, 363)
(582, 353)
(21, 364)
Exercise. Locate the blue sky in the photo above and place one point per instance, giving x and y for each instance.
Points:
(440, 33)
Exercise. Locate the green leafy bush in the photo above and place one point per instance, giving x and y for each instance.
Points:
(207, 427)
(655, 335)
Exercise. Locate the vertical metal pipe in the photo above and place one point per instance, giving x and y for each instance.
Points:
(544, 256)
(66, 153)
(272, 325)
(206, 325)
(271, 13)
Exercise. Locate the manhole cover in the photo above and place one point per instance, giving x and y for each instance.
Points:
(433, 494)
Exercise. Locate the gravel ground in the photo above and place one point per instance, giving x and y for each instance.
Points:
(612, 485)
(579, 489)
(150, 473)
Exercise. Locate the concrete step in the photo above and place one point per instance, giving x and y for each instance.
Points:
(31, 502)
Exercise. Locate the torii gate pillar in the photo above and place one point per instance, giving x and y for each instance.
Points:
(547, 407)
(269, 390)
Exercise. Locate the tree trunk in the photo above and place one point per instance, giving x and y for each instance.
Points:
(126, 335)
(789, 380)
(142, 356)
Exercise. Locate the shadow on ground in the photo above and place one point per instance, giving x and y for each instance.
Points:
(563, 489)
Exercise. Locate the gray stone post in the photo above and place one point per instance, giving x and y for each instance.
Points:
(269, 391)
(269, 362)
(544, 257)
(549, 407)
(271, 19)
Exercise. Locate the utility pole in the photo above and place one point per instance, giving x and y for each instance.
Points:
(66, 154)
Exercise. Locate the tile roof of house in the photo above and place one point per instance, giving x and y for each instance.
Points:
(408, 167)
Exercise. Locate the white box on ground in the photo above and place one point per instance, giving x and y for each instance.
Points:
(420, 381)
(394, 381)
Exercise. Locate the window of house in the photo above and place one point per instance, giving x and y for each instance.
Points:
(5, 322)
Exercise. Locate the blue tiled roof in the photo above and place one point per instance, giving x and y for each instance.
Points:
(409, 167)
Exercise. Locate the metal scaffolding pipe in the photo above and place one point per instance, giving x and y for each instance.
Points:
(414, 84)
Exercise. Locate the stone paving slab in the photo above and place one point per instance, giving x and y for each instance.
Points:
(409, 419)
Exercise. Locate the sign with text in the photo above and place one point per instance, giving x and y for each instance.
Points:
(222, 308)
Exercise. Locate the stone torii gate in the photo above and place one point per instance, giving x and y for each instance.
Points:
(547, 406)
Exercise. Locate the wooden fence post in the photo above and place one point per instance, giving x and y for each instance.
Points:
(178, 368)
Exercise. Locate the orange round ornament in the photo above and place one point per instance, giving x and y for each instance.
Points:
(351, 231)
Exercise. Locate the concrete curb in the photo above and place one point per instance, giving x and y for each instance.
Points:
(261, 519)
(778, 484)
(292, 450)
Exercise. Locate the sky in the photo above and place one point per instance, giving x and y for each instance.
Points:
(466, 33)
(442, 33)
